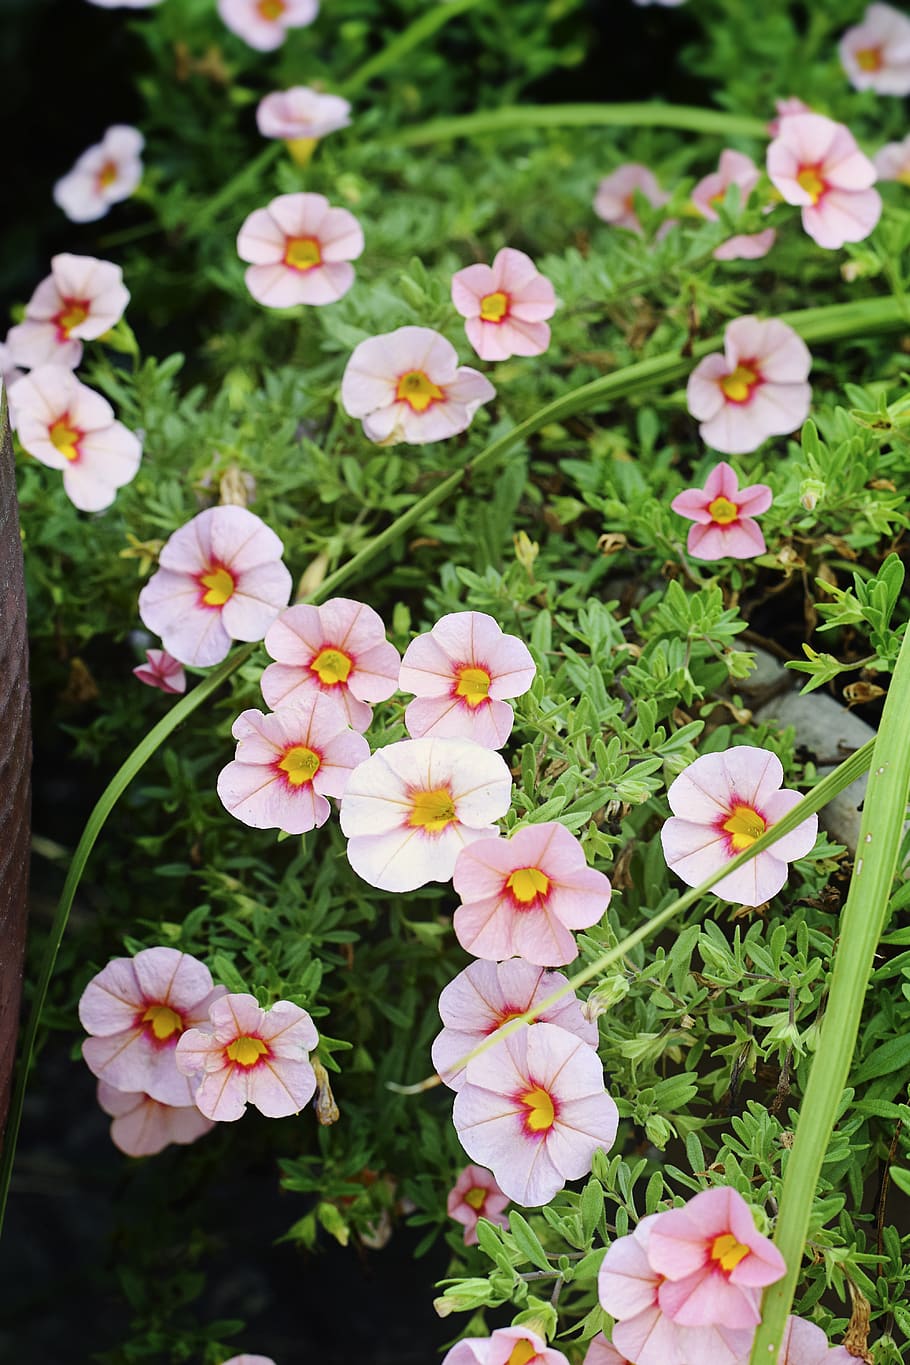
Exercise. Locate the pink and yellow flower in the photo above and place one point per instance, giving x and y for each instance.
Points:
(815, 163)
(602, 1352)
(522, 896)
(476, 1195)
(162, 670)
(735, 168)
(248, 1055)
(143, 1126)
(300, 248)
(103, 175)
(615, 201)
(407, 386)
(723, 514)
(410, 809)
(487, 995)
(721, 804)
(534, 1110)
(786, 108)
(67, 426)
(461, 671)
(755, 389)
(507, 1346)
(876, 53)
(220, 578)
(264, 24)
(806, 1344)
(506, 306)
(136, 1009)
(893, 161)
(288, 762)
(339, 649)
(301, 116)
(81, 299)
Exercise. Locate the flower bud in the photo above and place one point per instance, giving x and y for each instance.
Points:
(811, 492)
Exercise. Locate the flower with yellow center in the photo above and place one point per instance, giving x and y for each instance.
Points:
(521, 1353)
(473, 685)
(494, 307)
(728, 1252)
(810, 180)
(744, 825)
(65, 437)
(528, 884)
(417, 389)
(246, 1051)
(869, 59)
(432, 811)
(476, 1197)
(301, 764)
(271, 10)
(71, 315)
(723, 511)
(219, 585)
(164, 1021)
(107, 175)
(541, 1112)
(332, 666)
(302, 253)
(738, 386)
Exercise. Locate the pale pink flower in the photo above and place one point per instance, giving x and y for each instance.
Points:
(667, 4)
(220, 578)
(162, 670)
(410, 809)
(746, 246)
(721, 804)
(143, 1126)
(301, 113)
(533, 1109)
(487, 995)
(475, 1195)
(723, 514)
(135, 1010)
(815, 163)
(876, 53)
(264, 24)
(68, 426)
(614, 202)
(103, 175)
(785, 109)
(10, 374)
(806, 1344)
(755, 389)
(249, 1360)
(288, 762)
(125, 4)
(506, 305)
(461, 671)
(893, 161)
(339, 648)
(735, 168)
(300, 248)
(248, 1055)
(407, 386)
(601, 1351)
(507, 1346)
(522, 896)
(81, 299)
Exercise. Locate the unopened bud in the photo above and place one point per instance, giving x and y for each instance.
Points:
(312, 577)
(236, 488)
(327, 1111)
(658, 1131)
(811, 492)
(605, 996)
(463, 1297)
(539, 1317)
(526, 551)
(301, 149)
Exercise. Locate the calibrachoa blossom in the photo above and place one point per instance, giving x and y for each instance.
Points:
(248, 1055)
(410, 809)
(162, 670)
(756, 388)
(533, 1109)
(407, 386)
(735, 168)
(806, 1344)
(103, 175)
(507, 1346)
(125, 4)
(601, 1352)
(487, 995)
(475, 1195)
(723, 515)
(81, 299)
(249, 1360)
(301, 116)
(220, 578)
(614, 201)
(339, 648)
(143, 1126)
(288, 762)
(9, 371)
(461, 671)
(785, 109)
(893, 161)
(506, 306)
(68, 426)
(522, 896)
(876, 53)
(300, 248)
(815, 163)
(721, 804)
(136, 1009)
(264, 24)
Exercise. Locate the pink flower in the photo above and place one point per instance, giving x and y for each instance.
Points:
(407, 386)
(757, 388)
(785, 109)
(534, 1110)
(721, 804)
(506, 305)
(339, 649)
(806, 1344)
(103, 175)
(614, 202)
(9, 372)
(410, 809)
(125, 4)
(68, 426)
(735, 168)
(507, 1346)
(162, 670)
(263, 24)
(816, 163)
(81, 298)
(746, 246)
(300, 248)
(301, 113)
(249, 1360)
(723, 515)
(135, 1010)
(601, 1352)
(247, 1055)
(460, 672)
(220, 579)
(143, 1126)
(487, 995)
(876, 53)
(893, 161)
(287, 764)
(475, 1195)
(522, 896)
(667, 4)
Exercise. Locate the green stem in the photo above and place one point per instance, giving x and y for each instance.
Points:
(862, 924)
(518, 118)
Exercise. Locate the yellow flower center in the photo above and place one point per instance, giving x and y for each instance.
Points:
(271, 9)
(474, 685)
(810, 180)
(527, 883)
(494, 307)
(220, 587)
(107, 175)
(522, 1352)
(301, 764)
(332, 666)
(417, 389)
(301, 149)
(65, 438)
(432, 810)
(302, 253)
(723, 510)
(744, 826)
(738, 385)
(728, 1252)
(246, 1051)
(870, 59)
(541, 1114)
(164, 1021)
(904, 176)
(476, 1197)
(71, 316)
